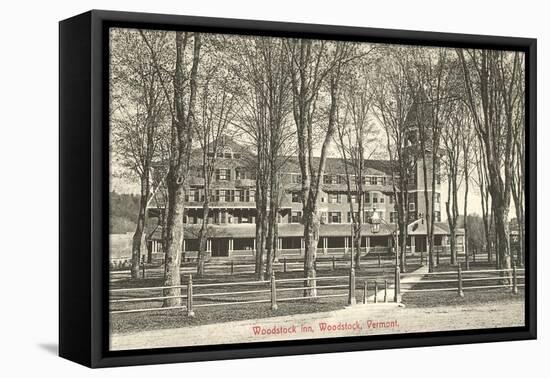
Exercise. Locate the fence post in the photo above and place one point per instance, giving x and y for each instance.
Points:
(273, 292)
(143, 266)
(333, 264)
(375, 291)
(379, 263)
(514, 279)
(365, 292)
(284, 265)
(460, 291)
(190, 312)
(351, 297)
(437, 256)
(397, 284)
(385, 291)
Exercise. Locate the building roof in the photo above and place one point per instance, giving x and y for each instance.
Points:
(191, 231)
(334, 165)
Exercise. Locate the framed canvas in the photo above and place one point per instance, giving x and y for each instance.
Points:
(235, 188)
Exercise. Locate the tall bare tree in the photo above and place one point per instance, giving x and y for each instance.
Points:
(316, 69)
(261, 66)
(432, 80)
(216, 110)
(182, 111)
(356, 134)
(138, 114)
(492, 86)
(452, 153)
(394, 102)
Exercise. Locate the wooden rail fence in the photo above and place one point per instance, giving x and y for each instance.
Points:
(275, 291)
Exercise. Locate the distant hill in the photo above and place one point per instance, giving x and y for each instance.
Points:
(123, 212)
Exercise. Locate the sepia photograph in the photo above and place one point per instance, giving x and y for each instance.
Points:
(267, 188)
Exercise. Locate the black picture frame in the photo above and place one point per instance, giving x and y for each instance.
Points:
(84, 189)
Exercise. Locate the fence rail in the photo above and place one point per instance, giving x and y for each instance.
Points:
(274, 290)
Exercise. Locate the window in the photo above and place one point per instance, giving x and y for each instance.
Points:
(437, 197)
(374, 199)
(353, 198)
(393, 217)
(412, 206)
(324, 217)
(367, 197)
(223, 174)
(227, 153)
(295, 178)
(333, 198)
(296, 197)
(373, 180)
(222, 195)
(334, 217)
(296, 217)
(382, 199)
(236, 156)
(437, 216)
(380, 180)
(390, 198)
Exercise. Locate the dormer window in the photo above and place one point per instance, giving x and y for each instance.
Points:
(227, 153)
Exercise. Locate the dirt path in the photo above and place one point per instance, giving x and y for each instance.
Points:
(358, 320)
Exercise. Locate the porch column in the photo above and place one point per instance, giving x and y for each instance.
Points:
(325, 243)
(184, 246)
(254, 246)
(229, 253)
(346, 244)
(209, 245)
(413, 244)
(302, 246)
(367, 244)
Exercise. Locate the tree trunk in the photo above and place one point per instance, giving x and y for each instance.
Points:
(139, 235)
(174, 240)
(272, 236)
(260, 229)
(356, 246)
(503, 240)
(311, 239)
(203, 237)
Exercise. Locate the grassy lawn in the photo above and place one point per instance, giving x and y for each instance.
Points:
(123, 323)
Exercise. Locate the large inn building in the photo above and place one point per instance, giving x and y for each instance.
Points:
(231, 232)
